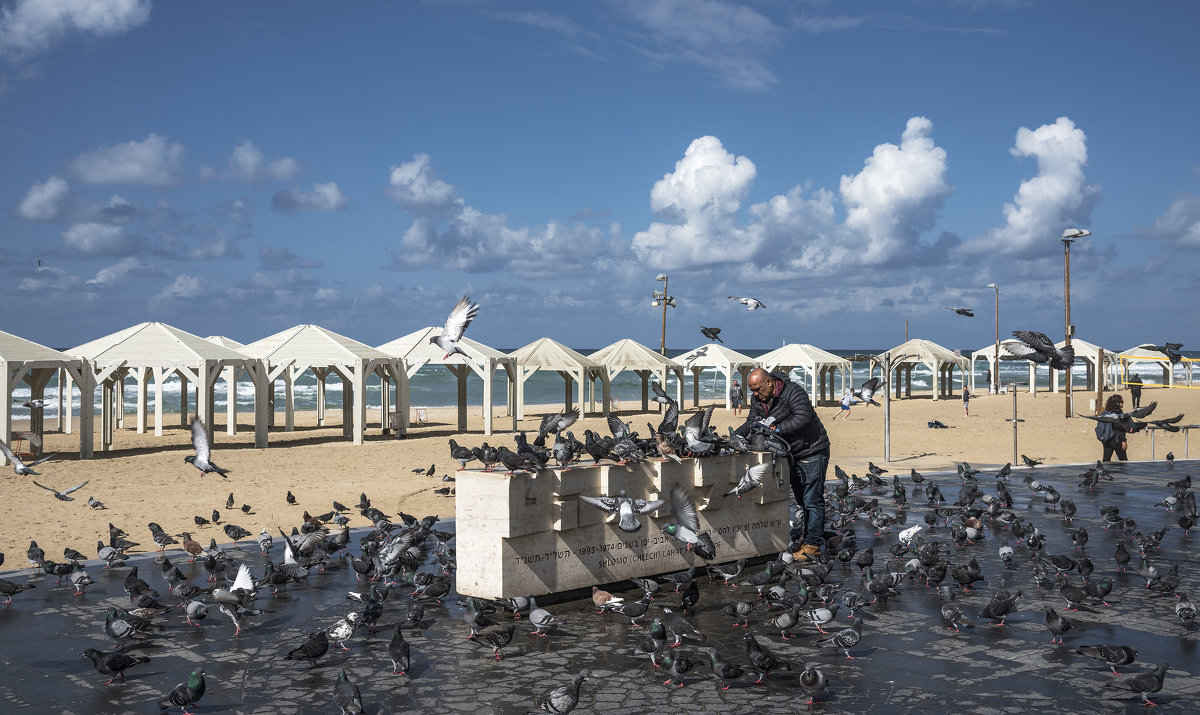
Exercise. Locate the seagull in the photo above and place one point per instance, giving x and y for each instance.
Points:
(62, 496)
(713, 334)
(966, 312)
(456, 324)
(203, 446)
(22, 469)
(750, 303)
(1171, 350)
(1037, 348)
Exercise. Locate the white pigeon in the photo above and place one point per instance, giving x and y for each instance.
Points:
(750, 303)
(456, 325)
(909, 534)
(22, 469)
(202, 443)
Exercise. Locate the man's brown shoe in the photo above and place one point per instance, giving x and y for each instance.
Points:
(808, 552)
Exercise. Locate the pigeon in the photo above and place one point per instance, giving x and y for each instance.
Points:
(343, 629)
(723, 670)
(750, 303)
(1171, 350)
(713, 334)
(1030, 462)
(677, 665)
(844, 639)
(8, 589)
(814, 683)
(563, 699)
(965, 312)
(541, 619)
(751, 480)
(1185, 611)
(62, 496)
(1112, 655)
(1057, 624)
(687, 530)
(867, 392)
(202, 443)
(313, 648)
(1145, 684)
(497, 639)
(113, 665)
(604, 600)
(633, 611)
(555, 424)
(680, 628)
(186, 693)
(461, 454)
(653, 642)
(95, 503)
(22, 469)
(346, 694)
(456, 324)
(625, 508)
(401, 654)
(1037, 348)
(763, 660)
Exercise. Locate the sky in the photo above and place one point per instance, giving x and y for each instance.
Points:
(238, 168)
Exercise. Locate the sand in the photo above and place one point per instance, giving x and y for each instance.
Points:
(145, 478)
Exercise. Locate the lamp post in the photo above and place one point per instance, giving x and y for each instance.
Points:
(1068, 237)
(661, 297)
(996, 356)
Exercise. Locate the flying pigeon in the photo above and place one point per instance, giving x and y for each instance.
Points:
(624, 508)
(1171, 350)
(751, 480)
(712, 333)
(967, 312)
(202, 443)
(555, 423)
(456, 324)
(1127, 421)
(750, 303)
(868, 390)
(62, 496)
(687, 529)
(22, 469)
(1037, 348)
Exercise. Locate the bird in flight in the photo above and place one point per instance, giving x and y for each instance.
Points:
(966, 312)
(750, 303)
(1171, 350)
(1037, 348)
(22, 469)
(456, 324)
(202, 459)
(712, 333)
(62, 496)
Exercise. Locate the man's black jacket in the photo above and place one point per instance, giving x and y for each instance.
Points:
(794, 416)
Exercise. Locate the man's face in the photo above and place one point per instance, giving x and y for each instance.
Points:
(763, 388)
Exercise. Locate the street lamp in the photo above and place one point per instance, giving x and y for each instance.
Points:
(661, 298)
(1068, 237)
(996, 357)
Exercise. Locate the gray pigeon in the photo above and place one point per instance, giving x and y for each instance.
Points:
(713, 334)
(22, 469)
(814, 683)
(202, 459)
(561, 700)
(751, 480)
(62, 496)
(541, 619)
(346, 694)
(456, 324)
(625, 508)
(687, 529)
(1145, 684)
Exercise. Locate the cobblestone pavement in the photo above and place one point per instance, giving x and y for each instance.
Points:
(907, 661)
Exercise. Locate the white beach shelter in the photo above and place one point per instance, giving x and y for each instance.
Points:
(1130, 358)
(416, 351)
(988, 355)
(726, 362)
(819, 367)
(627, 354)
(230, 375)
(575, 369)
(940, 361)
(289, 354)
(23, 360)
(1096, 360)
(156, 350)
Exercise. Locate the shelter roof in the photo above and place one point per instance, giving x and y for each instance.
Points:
(311, 345)
(552, 355)
(416, 348)
(14, 348)
(988, 350)
(802, 354)
(628, 354)
(225, 342)
(714, 355)
(927, 351)
(153, 344)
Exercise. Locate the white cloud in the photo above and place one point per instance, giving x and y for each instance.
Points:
(46, 201)
(183, 287)
(324, 197)
(815, 24)
(415, 186)
(33, 26)
(100, 239)
(152, 161)
(1057, 197)
(246, 164)
(1180, 223)
(118, 272)
(48, 279)
(724, 38)
(543, 20)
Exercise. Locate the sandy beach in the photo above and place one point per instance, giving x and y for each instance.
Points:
(145, 479)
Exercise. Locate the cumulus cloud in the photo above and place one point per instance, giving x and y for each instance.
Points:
(1057, 197)
(726, 38)
(153, 161)
(247, 163)
(33, 26)
(46, 201)
(324, 197)
(415, 186)
(130, 269)
(1180, 223)
(100, 239)
(182, 288)
(702, 197)
(273, 258)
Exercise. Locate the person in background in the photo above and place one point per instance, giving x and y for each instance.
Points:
(848, 401)
(966, 402)
(1135, 390)
(786, 403)
(735, 398)
(1111, 436)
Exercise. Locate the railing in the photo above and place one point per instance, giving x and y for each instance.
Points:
(1186, 428)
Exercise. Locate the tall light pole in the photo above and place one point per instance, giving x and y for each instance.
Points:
(996, 357)
(661, 297)
(1068, 237)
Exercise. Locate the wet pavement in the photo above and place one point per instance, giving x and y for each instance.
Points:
(907, 661)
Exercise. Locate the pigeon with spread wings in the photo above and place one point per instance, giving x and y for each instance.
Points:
(1171, 350)
(966, 312)
(22, 469)
(1037, 348)
(202, 442)
(62, 496)
(625, 508)
(456, 324)
(750, 303)
(687, 526)
(868, 390)
(713, 334)
(1128, 421)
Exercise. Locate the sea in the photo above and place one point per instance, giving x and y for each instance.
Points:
(435, 386)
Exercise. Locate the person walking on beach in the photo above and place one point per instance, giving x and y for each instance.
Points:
(1111, 436)
(966, 402)
(735, 398)
(775, 398)
(848, 401)
(1135, 390)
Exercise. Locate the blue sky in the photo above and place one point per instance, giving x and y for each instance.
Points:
(237, 168)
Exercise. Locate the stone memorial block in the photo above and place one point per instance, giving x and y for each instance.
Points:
(531, 534)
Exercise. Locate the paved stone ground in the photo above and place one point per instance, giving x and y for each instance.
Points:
(907, 661)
